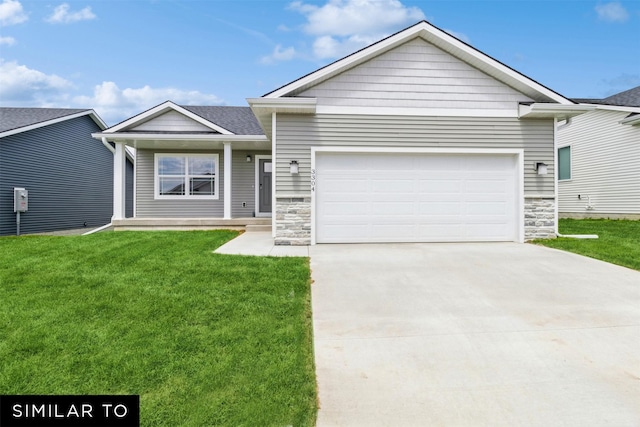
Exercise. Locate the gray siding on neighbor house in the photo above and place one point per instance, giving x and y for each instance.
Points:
(68, 174)
(128, 212)
(605, 165)
(296, 134)
(418, 75)
(243, 189)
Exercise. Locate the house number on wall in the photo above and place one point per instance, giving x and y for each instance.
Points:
(313, 180)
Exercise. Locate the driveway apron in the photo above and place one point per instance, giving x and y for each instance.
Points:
(484, 334)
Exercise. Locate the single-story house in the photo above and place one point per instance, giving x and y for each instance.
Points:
(599, 155)
(416, 138)
(67, 174)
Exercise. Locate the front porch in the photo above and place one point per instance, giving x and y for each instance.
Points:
(247, 224)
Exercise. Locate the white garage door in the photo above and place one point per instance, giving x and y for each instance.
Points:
(383, 197)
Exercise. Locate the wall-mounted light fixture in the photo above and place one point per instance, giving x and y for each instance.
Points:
(541, 168)
(248, 158)
(293, 167)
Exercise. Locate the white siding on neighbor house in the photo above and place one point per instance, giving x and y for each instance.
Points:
(243, 189)
(605, 165)
(416, 75)
(172, 122)
(296, 134)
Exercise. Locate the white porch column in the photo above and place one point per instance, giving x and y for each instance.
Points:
(227, 180)
(119, 187)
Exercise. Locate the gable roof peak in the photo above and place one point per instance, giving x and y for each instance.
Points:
(442, 40)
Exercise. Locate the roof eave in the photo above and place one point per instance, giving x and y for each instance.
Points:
(631, 120)
(263, 107)
(91, 113)
(541, 110)
(124, 136)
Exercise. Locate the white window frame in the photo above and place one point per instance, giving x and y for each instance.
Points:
(570, 163)
(186, 196)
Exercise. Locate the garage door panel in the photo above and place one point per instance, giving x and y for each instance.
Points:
(376, 197)
(441, 208)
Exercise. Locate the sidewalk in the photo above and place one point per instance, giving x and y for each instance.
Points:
(260, 243)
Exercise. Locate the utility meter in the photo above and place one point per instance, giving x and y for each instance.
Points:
(21, 200)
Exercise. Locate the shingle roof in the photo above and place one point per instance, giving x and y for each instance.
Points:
(15, 118)
(628, 98)
(238, 120)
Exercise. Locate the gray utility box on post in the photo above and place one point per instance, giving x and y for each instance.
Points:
(20, 200)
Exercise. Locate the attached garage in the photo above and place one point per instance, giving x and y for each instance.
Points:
(368, 196)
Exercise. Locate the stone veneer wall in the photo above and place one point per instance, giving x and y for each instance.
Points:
(539, 218)
(293, 221)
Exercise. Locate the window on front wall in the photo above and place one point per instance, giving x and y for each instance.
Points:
(564, 163)
(187, 176)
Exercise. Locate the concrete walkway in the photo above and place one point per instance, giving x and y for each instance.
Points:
(499, 334)
(259, 243)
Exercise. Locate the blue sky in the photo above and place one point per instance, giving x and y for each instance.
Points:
(123, 57)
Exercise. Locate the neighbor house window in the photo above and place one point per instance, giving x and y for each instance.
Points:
(564, 163)
(186, 176)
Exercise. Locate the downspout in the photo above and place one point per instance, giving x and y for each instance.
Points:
(555, 179)
(97, 229)
(109, 147)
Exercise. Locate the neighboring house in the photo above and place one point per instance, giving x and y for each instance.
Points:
(416, 138)
(599, 159)
(68, 174)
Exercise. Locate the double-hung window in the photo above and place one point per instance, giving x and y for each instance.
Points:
(186, 176)
(564, 163)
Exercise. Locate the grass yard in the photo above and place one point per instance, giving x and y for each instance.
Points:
(204, 339)
(618, 242)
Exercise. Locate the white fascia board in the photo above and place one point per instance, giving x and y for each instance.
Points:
(161, 109)
(172, 136)
(438, 38)
(92, 113)
(544, 110)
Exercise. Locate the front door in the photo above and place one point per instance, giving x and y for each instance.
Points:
(264, 186)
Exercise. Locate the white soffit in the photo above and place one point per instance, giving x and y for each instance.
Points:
(443, 41)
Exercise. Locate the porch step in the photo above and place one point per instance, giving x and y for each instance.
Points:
(251, 227)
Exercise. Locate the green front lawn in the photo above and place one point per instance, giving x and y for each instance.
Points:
(618, 242)
(204, 339)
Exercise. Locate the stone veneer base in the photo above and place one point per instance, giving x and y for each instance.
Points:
(539, 218)
(293, 220)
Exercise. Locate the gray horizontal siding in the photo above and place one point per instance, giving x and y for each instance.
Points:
(243, 189)
(605, 157)
(418, 75)
(172, 121)
(296, 134)
(68, 174)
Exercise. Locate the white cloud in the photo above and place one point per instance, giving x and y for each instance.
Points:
(11, 12)
(279, 54)
(114, 104)
(20, 85)
(343, 26)
(62, 15)
(8, 41)
(612, 12)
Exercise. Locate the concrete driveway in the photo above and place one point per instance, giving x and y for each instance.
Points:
(500, 334)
